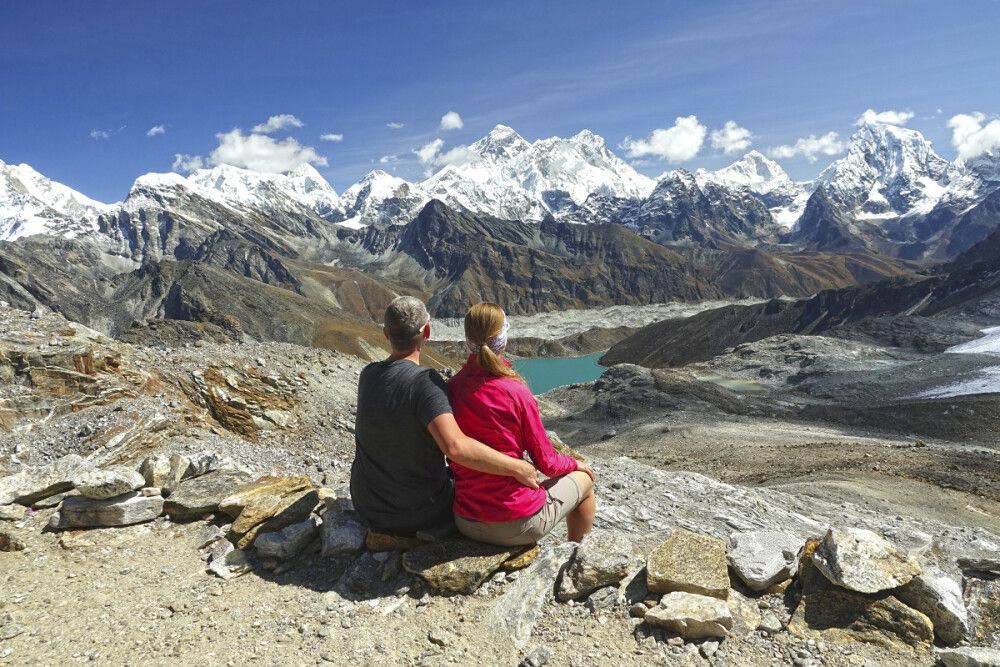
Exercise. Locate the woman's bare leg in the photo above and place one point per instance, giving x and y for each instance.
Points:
(580, 521)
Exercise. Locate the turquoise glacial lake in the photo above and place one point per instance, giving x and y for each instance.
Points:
(545, 373)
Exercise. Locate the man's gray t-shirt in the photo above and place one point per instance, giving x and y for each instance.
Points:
(399, 481)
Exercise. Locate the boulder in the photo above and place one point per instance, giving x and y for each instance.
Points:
(690, 563)
(863, 561)
(980, 566)
(521, 560)
(970, 656)
(204, 462)
(154, 469)
(33, 484)
(939, 597)
(269, 513)
(691, 616)
(289, 541)
(342, 532)
(178, 466)
(517, 611)
(982, 600)
(201, 496)
(108, 482)
(763, 558)
(602, 559)
(124, 510)
(229, 563)
(12, 512)
(263, 490)
(457, 564)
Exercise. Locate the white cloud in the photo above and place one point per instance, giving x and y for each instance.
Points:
(156, 130)
(262, 153)
(387, 159)
(429, 151)
(675, 144)
(280, 122)
(331, 136)
(885, 117)
(452, 121)
(810, 147)
(187, 163)
(971, 137)
(731, 138)
(100, 134)
(394, 125)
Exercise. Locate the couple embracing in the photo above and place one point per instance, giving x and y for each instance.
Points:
(431, 455)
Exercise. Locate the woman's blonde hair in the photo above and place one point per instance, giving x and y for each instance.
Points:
(483, 322)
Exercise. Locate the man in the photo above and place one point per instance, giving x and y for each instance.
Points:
(404, 431)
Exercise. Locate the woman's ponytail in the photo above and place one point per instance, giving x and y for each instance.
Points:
(486, 325)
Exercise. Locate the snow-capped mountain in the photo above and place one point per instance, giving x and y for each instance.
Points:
(767, 180)
(506, 176)
(381, 198)
(31, 204)
(889, 171)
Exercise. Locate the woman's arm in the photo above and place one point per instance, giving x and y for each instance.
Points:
(475, 455)
(536, 440)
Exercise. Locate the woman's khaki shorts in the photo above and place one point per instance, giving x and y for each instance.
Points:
(563, 496)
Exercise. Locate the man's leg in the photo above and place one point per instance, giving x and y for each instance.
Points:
(580, 521)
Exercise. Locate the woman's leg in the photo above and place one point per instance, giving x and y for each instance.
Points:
(580, 521)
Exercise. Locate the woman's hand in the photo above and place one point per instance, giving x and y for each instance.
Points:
(527, 475)
(585, 467)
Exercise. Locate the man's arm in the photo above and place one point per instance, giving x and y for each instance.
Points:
(475, 455)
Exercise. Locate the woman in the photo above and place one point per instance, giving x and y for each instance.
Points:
(493, 405)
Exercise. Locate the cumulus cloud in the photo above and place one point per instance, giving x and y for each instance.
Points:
(260, 152)
(331, 136)
(731, 138)
(430, 155)
(972, 136)
(156, 130)
(100, 134)
(388, 159)
(674, 144)
(885, 117)
(282, 121)
(395, 125)
(429, 151)
(810, 147)
(452, 121)
(187, 163)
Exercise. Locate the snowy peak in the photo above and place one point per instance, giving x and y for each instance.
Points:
(754, 171)
(888, 171)
(382, 198)
(31, 203)
(502, 143)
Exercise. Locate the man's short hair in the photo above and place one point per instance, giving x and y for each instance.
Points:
(404, 322)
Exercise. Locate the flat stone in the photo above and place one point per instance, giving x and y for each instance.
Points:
(690, 563)
(289, 541)
(980, 566)
(939, 597)
(518, 610)
(602, 559)
(12, 512)
(263, 490)
(837, 614)
(863, 561)
(603, 599)
(456, 564)
(343, 532)
(155, 469)
(266, 514)
(763, 558)
(33, 484)
(201, 496)
(379, 541)
(108, 482)
(969, 656)
(231, 565)
(11, 542)
(208, 535)
(521, 560)
(53, 501)
(982, 600)
(692, 616)
(124, 510)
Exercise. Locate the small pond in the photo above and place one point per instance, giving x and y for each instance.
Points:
(545, 373)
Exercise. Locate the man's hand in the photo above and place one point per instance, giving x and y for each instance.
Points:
(585, 467)
(526, 474)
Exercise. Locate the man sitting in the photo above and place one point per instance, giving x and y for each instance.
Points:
(405, 429)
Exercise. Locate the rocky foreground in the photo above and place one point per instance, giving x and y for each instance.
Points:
(188, 505)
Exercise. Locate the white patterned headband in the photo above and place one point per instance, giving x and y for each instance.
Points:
(497, 343)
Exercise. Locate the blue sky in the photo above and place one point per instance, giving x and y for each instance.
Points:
(782, 70)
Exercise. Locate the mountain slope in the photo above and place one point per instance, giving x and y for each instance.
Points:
(31, 204)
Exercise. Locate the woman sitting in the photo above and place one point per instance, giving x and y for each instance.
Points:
(493, 405)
